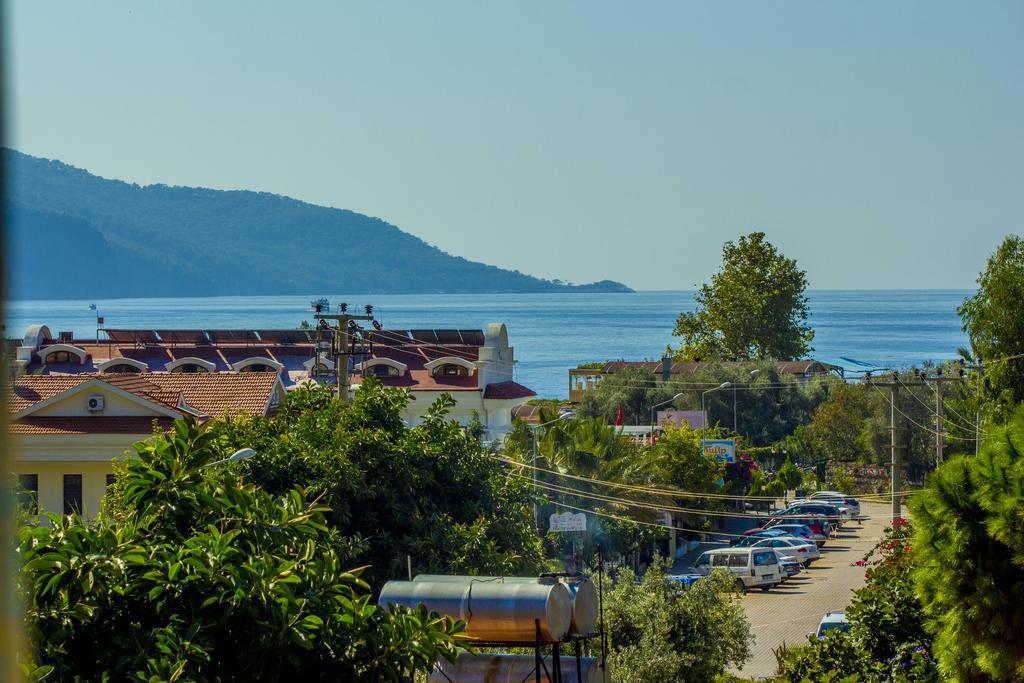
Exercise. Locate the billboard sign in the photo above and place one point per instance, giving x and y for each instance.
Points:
(722, 449)
(694, 418)
(568, 521)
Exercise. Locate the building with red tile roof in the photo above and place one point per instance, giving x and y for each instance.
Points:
(67, 429)
(476, 367)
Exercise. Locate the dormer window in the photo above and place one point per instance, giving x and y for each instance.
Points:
(63, 353)
(121, 369)
(450, 366)
(381, 371)
(257, 367)
(189, 368)
(61, 357)
(382, 367)
(450, 370)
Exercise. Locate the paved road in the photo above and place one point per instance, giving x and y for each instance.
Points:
(790, 612)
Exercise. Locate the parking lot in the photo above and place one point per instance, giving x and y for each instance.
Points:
(787, 614)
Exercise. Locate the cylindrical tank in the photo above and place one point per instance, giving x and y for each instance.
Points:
(581, 589)
(491, 610)
(487, 668)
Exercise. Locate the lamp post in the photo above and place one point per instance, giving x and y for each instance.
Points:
(533, 431)
(723, 385)
(240, 454)
(656, 405)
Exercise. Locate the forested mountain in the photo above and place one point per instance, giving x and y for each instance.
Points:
(74, 234)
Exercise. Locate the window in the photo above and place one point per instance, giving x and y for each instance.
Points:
(189, 367)
(122, 368)
(765, 559)
(320, 370)
(703, 561)
(72, 493)
(738, 560)
(720, 560)
(450, 370)
(257, 367)
(28, 494)
(61, 357)
(382, 370)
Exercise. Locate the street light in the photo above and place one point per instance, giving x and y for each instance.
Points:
(723, 385)
(656, 405)
(533, 430)
(240, 454)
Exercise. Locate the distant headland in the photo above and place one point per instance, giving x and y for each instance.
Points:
(72, 234)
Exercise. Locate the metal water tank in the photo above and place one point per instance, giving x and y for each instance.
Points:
(491, 610)
(489, 668)
(581, 589)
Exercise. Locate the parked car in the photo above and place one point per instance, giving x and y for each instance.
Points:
(835, 514)
(686, 580)
(805, 551)
(796, 527)
(840, 498)
(752, 567)
(789, 564)
(832, 620)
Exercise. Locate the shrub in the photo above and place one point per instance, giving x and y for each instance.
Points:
(663, 633)
(200, 576)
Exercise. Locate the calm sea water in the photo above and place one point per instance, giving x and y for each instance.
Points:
(551, 332)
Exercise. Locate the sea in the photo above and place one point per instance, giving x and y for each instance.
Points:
(551, 333)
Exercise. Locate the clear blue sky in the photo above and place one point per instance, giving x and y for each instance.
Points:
(878, 143)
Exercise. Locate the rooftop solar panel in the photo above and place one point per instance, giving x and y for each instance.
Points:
(284, 336)
(132, 336)
(232, 336)
(472, 337)
(426, 336)
(448, 336)
(183, 336)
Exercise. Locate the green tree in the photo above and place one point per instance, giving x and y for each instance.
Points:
(969, 558)
(663, 633)
(754, 308)
(790, 475)
(199, 575)
(994, 321)
(887, 640)
(837, 428)
(432, 492)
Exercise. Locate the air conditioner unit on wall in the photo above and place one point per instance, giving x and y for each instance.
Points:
(95, 403)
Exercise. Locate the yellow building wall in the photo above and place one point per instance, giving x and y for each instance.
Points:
(51, 482)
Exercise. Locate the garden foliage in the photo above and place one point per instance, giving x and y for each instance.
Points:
(199, 575)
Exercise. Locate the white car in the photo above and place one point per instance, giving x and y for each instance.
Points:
(752, 567)
(832, 620)
(803, 550)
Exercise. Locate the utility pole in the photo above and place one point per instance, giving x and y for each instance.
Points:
(895, 464)
(938, 417)
(343, 339)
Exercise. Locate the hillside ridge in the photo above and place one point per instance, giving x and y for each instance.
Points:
(203, 242)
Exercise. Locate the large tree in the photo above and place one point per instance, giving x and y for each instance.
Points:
(969, 559)
(994, 321)
(754, 307)
(431, 493)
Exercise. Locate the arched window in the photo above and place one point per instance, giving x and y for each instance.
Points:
(190, 364)
(320, 370)
(63, 353)
(450, 370)
(121, 368)
(189, 368)
(61, 357)
(381, 370)
(257, 367)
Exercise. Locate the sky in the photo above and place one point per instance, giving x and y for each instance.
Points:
(878, 143)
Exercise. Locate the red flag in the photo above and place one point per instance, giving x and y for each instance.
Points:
(618, 418)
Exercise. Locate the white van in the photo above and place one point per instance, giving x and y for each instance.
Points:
(752, 567)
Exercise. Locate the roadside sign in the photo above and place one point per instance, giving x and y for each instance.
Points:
(723, 449)
(568, 521)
